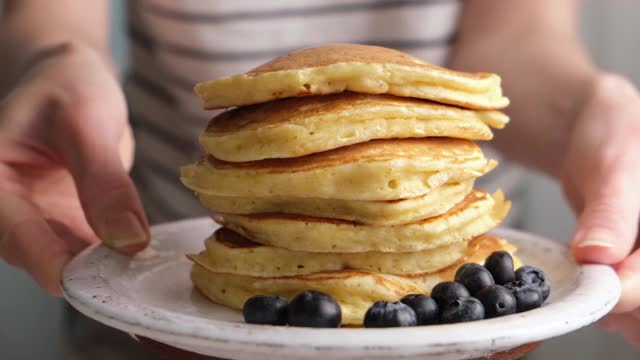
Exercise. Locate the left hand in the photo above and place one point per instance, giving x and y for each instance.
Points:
(601, 178)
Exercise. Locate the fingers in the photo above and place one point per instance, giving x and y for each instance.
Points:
(625, 317)
(89, 144)
(607, 227)
(626, 325)
(629, 272)
(609, 171)
(91, 137)
(603, 166)
(29, 242)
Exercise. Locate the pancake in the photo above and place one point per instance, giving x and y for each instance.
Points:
(300, 126)
(375, 170)
(229, 252)
(384, 212)
(354, 290)
(478, 213)
(332, 69)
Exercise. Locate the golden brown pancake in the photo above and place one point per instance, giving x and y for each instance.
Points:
(375, 170)
(384, 212)
(332, 69)
(354, 290)
(477, 214)
(300, 126)
(229, 252)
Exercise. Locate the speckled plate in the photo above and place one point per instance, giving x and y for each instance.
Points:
(151, 295)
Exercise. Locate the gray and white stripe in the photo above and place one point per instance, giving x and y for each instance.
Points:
(178, 43)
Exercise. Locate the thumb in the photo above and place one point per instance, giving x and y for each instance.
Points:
(629, 272)
(88, 140)
(608, 224)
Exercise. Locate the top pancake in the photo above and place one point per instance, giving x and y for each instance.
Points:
(332, 69)
(300, 126)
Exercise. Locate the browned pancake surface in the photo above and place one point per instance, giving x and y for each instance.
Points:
(339, 53)
(289, 109)
(457, 150)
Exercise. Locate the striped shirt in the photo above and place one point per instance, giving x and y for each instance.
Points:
(175, 44)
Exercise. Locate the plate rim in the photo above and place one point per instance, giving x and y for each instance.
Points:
(220, 333)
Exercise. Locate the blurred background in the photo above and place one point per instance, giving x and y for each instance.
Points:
(36, 326)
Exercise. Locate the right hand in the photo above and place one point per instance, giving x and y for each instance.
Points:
(65, 150)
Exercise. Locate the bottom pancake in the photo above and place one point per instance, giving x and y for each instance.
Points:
(354, 290)
(229, 252)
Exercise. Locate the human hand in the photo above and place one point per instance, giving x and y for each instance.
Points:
(602, 181)
(65, 149)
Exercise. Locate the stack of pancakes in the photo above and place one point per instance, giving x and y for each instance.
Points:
(345, 169)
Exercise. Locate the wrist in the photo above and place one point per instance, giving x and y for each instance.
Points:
(607, 101)
(565, 108)
(30, 28)
(548, 84)
(23, 56)
(40, 23)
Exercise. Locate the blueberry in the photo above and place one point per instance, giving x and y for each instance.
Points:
(447, 291)
(497, 301)
(474, 277)
(386, 314)
(426, 309)
(266, 310)
(536, 277)
(527, 296)
(314, 309)
(462, 310)
(500, 265)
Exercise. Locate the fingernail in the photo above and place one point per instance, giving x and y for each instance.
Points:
(595, 243)
(595, 239)
(124, 230)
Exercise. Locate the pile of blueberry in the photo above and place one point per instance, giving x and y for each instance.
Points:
(478, 292)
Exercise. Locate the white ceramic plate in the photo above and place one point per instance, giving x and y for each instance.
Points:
(151, 295)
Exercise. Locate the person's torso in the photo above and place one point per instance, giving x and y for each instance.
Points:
(175, 44)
